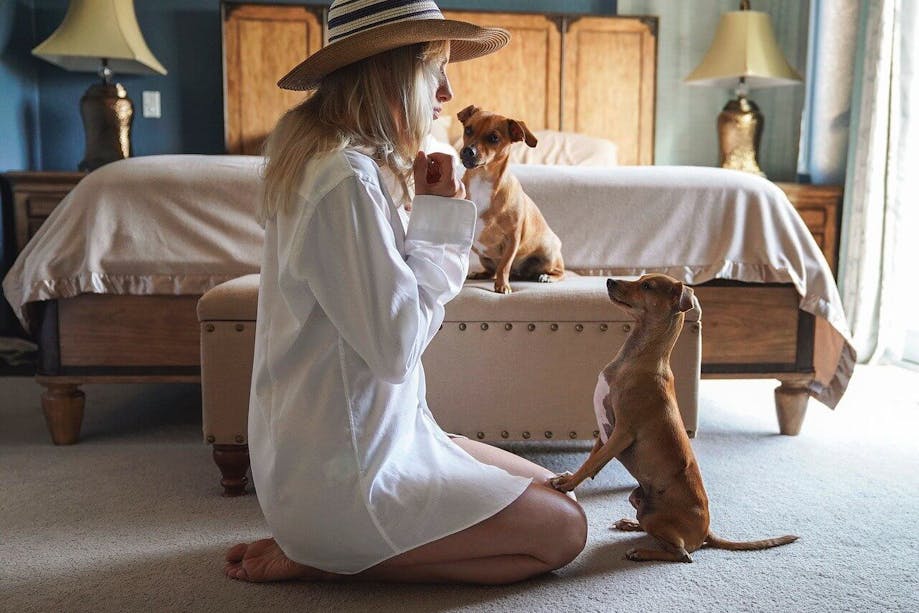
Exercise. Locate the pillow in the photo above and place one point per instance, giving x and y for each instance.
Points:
(565, 149)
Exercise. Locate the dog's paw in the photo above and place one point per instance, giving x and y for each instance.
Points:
(632, 554)
(562, 482)
(627, 525)
(544, 278)
(500, 288)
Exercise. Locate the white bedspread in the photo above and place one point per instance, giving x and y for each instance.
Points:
(180, 224)
(696, 224)
(169, 224)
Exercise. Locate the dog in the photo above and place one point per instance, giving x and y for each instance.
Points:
(640, 424)
(515, 241)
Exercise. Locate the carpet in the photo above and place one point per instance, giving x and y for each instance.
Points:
(131, 519)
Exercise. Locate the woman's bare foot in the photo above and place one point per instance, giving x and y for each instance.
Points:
(264, 561)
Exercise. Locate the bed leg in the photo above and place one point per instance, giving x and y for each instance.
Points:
(233, 462)
(63, 406)
(791, 405)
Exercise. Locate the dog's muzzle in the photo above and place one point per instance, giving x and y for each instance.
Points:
(468, 157)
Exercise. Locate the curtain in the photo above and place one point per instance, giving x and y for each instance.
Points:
(825, 120)
(879, 247)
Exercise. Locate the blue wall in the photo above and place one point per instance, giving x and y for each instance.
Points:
(19, 133)
(185, 36)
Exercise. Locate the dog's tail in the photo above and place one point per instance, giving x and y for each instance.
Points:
(716, 542)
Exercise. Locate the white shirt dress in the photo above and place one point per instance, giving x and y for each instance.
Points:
(349, 466)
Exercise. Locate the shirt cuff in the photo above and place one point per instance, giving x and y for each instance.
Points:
(437, 219)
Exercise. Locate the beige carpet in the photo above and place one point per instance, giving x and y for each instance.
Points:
(131, 518)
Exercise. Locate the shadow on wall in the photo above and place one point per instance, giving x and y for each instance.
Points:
(198, 81)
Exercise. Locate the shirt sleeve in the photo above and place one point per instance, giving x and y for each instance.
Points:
(386, 307)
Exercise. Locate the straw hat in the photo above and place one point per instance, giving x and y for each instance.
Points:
(358, 29)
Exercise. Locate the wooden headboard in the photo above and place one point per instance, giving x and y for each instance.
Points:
(587, 74)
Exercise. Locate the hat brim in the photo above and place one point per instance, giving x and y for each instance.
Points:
(467, 41)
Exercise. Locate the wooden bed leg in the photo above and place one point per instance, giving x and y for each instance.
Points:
(63, 406)
(233, 462)
(791, 405)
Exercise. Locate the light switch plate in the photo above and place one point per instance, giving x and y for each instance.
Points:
(152, 104)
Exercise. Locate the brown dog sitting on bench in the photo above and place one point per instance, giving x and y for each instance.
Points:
(515, 240)
(640, 424)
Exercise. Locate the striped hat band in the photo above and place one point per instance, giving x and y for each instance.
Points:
(352, 16)
(358, 29)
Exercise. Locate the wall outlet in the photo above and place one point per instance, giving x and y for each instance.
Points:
(152, 104)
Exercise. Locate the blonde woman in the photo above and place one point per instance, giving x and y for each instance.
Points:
(353, 475)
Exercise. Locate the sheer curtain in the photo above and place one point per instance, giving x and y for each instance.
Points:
(879, 248)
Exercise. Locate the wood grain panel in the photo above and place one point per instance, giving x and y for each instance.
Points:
(261, 44)
(521, 81)
(727, 334)
(601, 69)
(120, 331)
(609, 84)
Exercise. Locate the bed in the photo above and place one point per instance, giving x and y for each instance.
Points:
(108, 285)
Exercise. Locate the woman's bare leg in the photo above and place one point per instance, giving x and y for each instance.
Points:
(540, 531)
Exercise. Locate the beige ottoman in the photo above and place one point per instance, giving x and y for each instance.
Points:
(516, 367)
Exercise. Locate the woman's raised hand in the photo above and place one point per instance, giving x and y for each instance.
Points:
(434, 176)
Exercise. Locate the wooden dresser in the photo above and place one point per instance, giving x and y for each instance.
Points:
(820, 206)
(35, 194)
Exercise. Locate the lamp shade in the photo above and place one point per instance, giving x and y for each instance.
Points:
(744, 46)
(93, 30)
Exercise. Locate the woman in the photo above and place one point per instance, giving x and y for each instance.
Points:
(354, 477)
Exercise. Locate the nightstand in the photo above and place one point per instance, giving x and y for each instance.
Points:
(820, 207)
(35, 194)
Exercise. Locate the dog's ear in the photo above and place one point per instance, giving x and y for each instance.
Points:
(467, 112)
(686, 301)
(519, 131)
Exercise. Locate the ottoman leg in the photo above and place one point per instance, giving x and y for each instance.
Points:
(791, 405)
(233, 462)
(63, 406)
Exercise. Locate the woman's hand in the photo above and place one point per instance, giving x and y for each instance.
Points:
(434, 176)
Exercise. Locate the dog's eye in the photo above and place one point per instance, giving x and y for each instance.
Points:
(468, 131)
(493, 138)
(646, 285)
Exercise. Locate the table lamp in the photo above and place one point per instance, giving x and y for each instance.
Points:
(102, 36)
(744, 55)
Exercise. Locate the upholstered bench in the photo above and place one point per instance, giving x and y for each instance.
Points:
(503, 367)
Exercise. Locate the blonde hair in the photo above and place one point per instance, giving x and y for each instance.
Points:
(383, 102)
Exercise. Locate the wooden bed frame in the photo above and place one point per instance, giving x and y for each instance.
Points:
(750, 331)
(594, 75)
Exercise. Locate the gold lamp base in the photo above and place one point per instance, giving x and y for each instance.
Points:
(107, 114)
(740, 126)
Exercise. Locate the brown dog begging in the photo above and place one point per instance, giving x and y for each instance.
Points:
(640, 424)
(515, 241)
